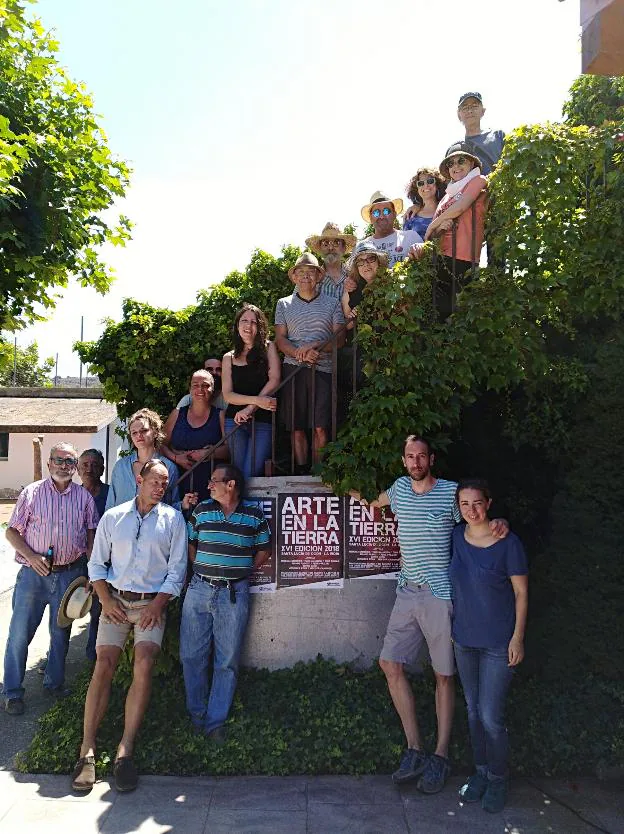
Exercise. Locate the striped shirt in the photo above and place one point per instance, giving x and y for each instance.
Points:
(425, 525)
(226, 545)
(46, 517)
(309, 321)
(331, 288)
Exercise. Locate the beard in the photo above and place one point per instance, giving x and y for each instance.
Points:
(332, 258)
(419, 474)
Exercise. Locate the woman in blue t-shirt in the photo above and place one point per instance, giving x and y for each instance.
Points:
(425, 189)
(490, 593)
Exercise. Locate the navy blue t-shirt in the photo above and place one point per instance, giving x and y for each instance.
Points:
(484, 606)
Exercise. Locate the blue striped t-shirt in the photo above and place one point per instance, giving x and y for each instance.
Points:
(226, 545)
(309, 321)
(425, 525)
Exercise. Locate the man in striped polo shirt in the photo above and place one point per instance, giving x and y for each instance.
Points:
(304, 324)
(52, 530)
(426, 511)
(228, 538)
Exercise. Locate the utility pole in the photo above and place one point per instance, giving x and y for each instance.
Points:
(56, 372)
(81, 338)
(15, 362)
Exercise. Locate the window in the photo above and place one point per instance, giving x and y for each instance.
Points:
(4, 445)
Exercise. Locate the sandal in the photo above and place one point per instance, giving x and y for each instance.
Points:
(126, 776)
(83, 776)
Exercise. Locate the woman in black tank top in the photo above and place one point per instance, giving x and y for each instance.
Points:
(251, 373)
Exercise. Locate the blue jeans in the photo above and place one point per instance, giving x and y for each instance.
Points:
(240, 446)
(31, 594)
(485, 678)
(209, 618)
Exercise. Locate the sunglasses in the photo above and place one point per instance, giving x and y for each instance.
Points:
(366, 260)
(458, 160)
(385, 212)
(331, 241)
(64, 461)
(428, 181)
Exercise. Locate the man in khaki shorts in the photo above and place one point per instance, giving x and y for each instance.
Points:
(426, 511)
(138, 563)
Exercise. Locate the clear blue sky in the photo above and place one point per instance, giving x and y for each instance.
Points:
(251, 123)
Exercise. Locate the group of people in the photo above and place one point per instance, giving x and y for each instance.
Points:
(142, 540)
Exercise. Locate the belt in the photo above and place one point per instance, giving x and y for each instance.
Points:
(418, 585)
(68, 566)
(222, 583)
(133, 596)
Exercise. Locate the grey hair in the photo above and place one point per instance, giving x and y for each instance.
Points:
(64, 447)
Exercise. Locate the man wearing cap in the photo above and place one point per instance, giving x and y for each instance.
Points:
(138, 563)
(332, 245)
(485, 144)
(52, 529)
(382, 212)
(304, 325)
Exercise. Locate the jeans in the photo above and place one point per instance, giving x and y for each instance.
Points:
(210, 618)
(31, 594)
(240, 446)
(96, 610)
(485, 678)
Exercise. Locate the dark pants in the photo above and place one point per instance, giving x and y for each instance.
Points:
(485, 677)
(450, 280)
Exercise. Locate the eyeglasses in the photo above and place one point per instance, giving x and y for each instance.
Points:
(458, 160)
(377, 213)
(331, 241)
(365, 260)
(64, 461)
(428, 181)
(218, 481)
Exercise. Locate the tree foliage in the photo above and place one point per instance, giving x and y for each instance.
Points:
(29, 369)
(57, 174)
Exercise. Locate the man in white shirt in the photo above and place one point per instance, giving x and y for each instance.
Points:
(382, 213)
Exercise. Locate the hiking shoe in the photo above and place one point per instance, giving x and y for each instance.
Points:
(474, 788)
(495, 796)
(83, 776)
(126, 776)
(14, 706)
(41, 666)
(434, 775)
(57, 692)
(218, 735)
(412, 764)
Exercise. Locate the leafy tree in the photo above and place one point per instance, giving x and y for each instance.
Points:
(595, 99)
(30, 370)
(57, 174)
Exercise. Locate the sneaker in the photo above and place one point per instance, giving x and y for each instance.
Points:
(495, 796)
(14, 706)
(41, 666)
(474, 788)
(412, 764)
(434, 775)
(219, 735)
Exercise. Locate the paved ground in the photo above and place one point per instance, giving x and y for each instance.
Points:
(276, 805)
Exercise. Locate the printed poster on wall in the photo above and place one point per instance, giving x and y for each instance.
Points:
(263, 580)
(309, 541)
(371, 544)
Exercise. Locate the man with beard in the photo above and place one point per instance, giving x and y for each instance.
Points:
(382, 213)
(426, 511)
(332, 245)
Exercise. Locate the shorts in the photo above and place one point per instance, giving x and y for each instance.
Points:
(303, 398)
(112, 634)
(419, 617)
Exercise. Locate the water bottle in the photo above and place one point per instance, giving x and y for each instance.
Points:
(49, 557)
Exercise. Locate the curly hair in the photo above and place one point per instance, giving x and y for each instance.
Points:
(412, 187)
(258, 353)
(153, 421)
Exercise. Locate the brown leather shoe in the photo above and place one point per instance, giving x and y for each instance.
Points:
(126, 776)
(83, 777)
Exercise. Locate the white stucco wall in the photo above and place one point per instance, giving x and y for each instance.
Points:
(17, 471)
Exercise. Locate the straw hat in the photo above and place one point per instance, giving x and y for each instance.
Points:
(331, 231)
(380, 197)
(307, 259)
(76, 602)
(458, 149)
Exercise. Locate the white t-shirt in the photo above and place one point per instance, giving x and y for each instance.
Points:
(396, 245)
(217, 401)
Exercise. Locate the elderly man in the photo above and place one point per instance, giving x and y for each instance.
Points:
(332, 245)
(228, 538)
(138, 564)
(487, 145)
(304, 324)
(52, 529)
(382, 212)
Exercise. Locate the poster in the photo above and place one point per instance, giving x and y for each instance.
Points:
(262, 581)
(310, 541)
(371, 544)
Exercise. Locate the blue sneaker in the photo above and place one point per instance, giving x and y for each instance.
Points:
(413, 763)
(434, 775)
(495, 796)
(474, 788)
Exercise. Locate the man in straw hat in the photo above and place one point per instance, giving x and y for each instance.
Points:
(138, 564)
(304, 322)
(52, 529)
(382, 212)
(332, 245)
